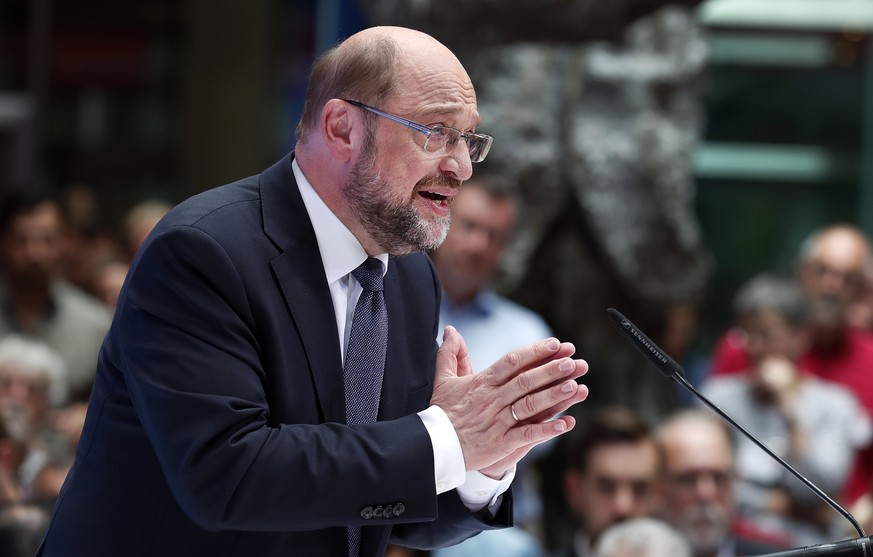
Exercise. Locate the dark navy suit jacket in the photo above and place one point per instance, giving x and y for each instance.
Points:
(216, 423)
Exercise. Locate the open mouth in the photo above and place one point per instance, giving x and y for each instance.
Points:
(438, 196)
(433, 196)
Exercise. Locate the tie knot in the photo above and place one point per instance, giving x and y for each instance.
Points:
(369, 274)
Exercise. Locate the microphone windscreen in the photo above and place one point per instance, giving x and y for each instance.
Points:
(662, 362)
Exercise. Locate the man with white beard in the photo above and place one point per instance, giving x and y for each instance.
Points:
(697, 494)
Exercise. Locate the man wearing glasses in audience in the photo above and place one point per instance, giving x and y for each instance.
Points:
(697, 496)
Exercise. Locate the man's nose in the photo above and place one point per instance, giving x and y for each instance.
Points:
(624, 502)
(37, 248)
(706, 487)
(478, 239)
(457, 161)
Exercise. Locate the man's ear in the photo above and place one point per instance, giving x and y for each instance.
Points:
(340, 129)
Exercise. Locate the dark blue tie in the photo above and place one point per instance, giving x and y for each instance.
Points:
(365, 358)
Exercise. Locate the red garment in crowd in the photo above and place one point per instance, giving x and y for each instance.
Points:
(850, 365)
(729, 355)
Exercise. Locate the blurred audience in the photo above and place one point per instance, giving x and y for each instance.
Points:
(815, 425)
(611, 475)
(830, 267)
(642, 537)
(12, 452)
(50, 335)
(138, 223)
(34, 298)
(47, 483)
(107, 278)
(697, 487)
(859, 311)
(484, 215)
(32, 380)
(87, 233)
(108, 270)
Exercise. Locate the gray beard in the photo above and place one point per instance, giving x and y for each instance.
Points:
(707, 538)
(396, 227)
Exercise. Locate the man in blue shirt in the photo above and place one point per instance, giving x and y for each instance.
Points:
(483, 218)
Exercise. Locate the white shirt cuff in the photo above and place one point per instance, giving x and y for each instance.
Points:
(479, 491)
(448, 458)
(476, 490)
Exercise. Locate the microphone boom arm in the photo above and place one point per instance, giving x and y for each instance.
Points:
(672, 370)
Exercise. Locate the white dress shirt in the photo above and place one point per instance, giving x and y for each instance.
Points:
(341, 253)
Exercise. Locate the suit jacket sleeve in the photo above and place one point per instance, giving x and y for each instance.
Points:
(456, 524)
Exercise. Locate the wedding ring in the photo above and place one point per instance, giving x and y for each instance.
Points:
(512, 411)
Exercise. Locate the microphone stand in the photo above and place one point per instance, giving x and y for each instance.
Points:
(860, 547)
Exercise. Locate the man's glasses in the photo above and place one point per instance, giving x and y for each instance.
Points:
(439, 138)
(690, 480)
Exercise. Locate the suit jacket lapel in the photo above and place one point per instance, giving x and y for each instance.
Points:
(303, 284)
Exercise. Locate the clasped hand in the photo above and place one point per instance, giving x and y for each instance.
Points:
(502, 412)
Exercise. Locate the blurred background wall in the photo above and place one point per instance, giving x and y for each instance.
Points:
(120, 101)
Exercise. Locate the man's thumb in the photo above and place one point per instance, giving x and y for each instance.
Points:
(448, 354)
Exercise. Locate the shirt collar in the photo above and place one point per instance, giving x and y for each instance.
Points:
(341, 252)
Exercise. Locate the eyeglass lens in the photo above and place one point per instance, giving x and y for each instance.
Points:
(442, 137)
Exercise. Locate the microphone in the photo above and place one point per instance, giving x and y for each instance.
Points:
(860, 547)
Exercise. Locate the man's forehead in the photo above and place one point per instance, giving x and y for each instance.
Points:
(604, 457)
(848, 260)
(434, 90)
(839, 245)
(432, 106)
(712, 460)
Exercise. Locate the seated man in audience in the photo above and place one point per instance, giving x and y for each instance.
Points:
(611, 475)
(32, 381)
(697, 487)
(815, 425)
(35, 300)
